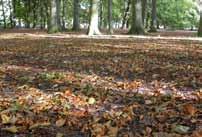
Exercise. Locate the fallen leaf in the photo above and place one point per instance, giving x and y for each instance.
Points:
(180, 129)
(5, 119)
(43, 124)
(197, 133)
(12, 129)
(190, 109)
(59, 135)
(91, 101)
(60, 122)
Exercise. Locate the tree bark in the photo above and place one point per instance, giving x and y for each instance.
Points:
(110, 29)
(76, 22)
(53, 20)
(153, 17)
(137, 26)
(94, 17)
(200, 23)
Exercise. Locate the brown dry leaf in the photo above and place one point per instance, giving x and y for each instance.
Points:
(190, 109)
(98, 129)
(43, 124)
(197, 133)
(59, 135)
(12, 129)
(148, 130)
(61, 122)
(5, 119)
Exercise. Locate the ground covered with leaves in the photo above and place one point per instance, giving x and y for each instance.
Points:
(82, 87)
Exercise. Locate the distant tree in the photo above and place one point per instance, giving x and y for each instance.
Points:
(94, 18)
(76, 22)
(58, 16)
(144, 9)
(3, 13)
(127, 4)
(153, 17)
(110, 16)
(200, 23)
(137, 26)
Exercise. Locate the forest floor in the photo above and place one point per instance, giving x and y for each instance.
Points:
(78, 86)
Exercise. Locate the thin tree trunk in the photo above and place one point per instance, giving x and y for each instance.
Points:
(200, 23)
(137, 24)
(153, 17)
(28, 11)
(3, 13)
(110, 16)
(42, 14)
(35, 18)
(101, 14)
(126, 14)
(147, 20)
(14, 13)
(76, 24)
(11, 14)
(58, 11)
(64, 6)
(144, 9)
(94, 17)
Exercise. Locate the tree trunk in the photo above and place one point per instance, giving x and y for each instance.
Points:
(126, 14)
(11, 13)
(137, 24)
(58, 11)
(110, 16)
(94, 17)
(76, 23)
(53, 21)
(42, 15)
(27, 15)
(153, 17)
(101, 14)
(64, 10)
(200, 23)
(35, 17)
(3, 13)
(14, 13)
(144, 9)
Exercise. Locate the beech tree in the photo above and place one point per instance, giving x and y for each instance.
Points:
(137, 26)
(53, 21)
(94, 18)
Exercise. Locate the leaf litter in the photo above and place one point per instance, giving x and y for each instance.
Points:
(82, 87)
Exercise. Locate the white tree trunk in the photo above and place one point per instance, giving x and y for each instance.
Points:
(94, 18)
